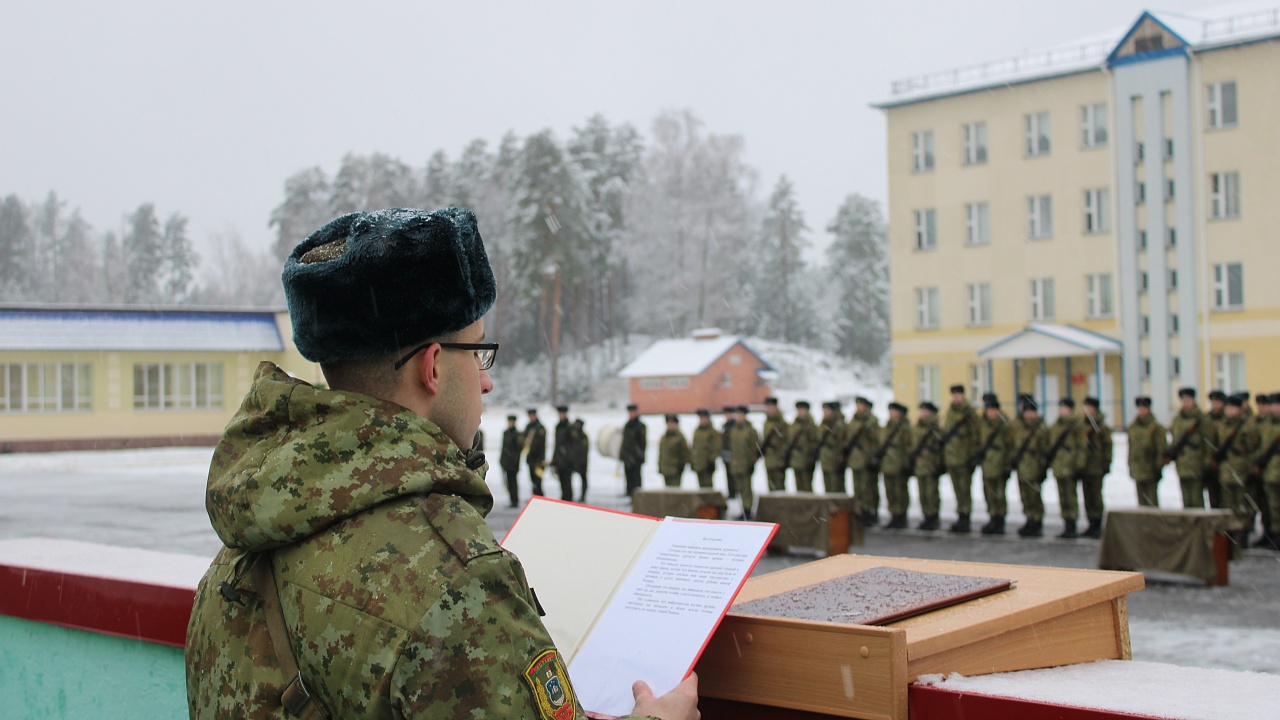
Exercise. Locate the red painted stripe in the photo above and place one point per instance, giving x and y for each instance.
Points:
(935, 703)
(125, 608)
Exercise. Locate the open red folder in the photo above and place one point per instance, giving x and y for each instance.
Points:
(629, 597)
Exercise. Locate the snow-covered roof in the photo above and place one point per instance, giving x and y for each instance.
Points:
(1040, 340)
(684, 357)
(1218, 26)
(125, 330)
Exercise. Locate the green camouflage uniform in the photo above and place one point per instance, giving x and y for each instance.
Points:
(1068, 462)
(1147, 444)
(863, 431)
(804, 445)
(398, 600)
(895, 440)
(963, 428)
(1212, 438)
(707, 443)
(928, 464)
(1188, 431)
(830, 439)
(744, 451)
(1268, 461)
(673, 455)
(1255, 488)
(997, 438)
(773, 438)
(1098, 456)
(1032, 439)
(1240, 440)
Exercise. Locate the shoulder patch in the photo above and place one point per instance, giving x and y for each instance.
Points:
(549, 683)
(460, 525)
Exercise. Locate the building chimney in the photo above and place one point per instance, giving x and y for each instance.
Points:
(710, 333)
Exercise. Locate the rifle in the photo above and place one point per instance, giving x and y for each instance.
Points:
(1057, 445)
(918, 449)
(773, 432)
(1022, 449)
(946, 437)
(874, 463)
(1261, 463)
(1173, 451)
(976, 459)
(1221, 453)
(785, 461)
(848, 447)
(817, 451)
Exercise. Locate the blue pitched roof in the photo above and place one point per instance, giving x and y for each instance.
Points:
(134, 330)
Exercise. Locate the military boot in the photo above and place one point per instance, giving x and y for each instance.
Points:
(961, 525)
(994, 526)
(930, 523)
(1068, 530)
(870, 518)
(1033, 528)
(897, 522)
(1094, 530)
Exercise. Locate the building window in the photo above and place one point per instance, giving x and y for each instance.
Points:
(46, 387)
(1042, 305)
(1142, 239)
(926, 229)
(1039, 216)
(1168, 148)
(676, 383)
(1168, 190)
(1146, 368)
(928, 383)
(650, 383)
(726, 380)
(975, 143)
(1221, 103)
(177, 386)
(1096, 212)
(735, 359)
(922, 151)
(979, 380)
(1173, 279)
(1228, 286)
(1175, 365)
(1173, 323)
(1099, 297)
(1224, 195)
(1171, 237)
(977, 223)
(1139, 153)
(1228, 372)
(1142, 281)
(1145, 326)
(1093, 125)
(1139, 193)
(979, 306)
(927, 308)
(1037, 134)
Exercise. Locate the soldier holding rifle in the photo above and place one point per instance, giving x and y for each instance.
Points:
(1147, 445)
(890, 458)
(1066, 458)
(1187, 451)
(773, 444)
(993, 457)
(830, 440)
(957, 445)
(1098, 453)
(1032, 442)
(801, 453)
(861, 439)
(925, 461)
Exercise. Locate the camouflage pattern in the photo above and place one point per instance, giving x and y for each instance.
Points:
(773, 441)
(1098, 457)
(964, 428)
(896, 439)
(1191, 425)
(1147, 443)
(863, 430)
(1269, 436)
(744, 451)
(997, 438)
(673, 456)
(1212, 438)
(707, 443)
(1241, 439)
(1034, 436)
(399, 601)
(928, 464)
(830, 443)
(804, 452)
(1068, 462)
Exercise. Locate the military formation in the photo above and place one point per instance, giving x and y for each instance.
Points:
(569, 457)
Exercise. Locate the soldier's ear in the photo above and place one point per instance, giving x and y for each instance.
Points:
(428, 369)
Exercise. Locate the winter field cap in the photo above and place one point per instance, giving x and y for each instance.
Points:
(957, 389)
(1235, 400)
(511, 418)
(703, 412)
(369, 284)
(802, 404)
(991, 403)
(1218, 395)
(1067, 403)
(562, 408)
(1187, 392)
(633, 406)
(860, 400)
(672, 419)
(1092, 402)
(771, 401)
(926, 405)
(898, 406)
(1142, 401)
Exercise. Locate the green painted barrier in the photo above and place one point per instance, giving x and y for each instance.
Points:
(47, 671)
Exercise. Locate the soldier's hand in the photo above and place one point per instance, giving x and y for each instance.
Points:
(679, 704)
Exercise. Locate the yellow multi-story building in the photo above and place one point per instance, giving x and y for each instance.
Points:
(1096, 219)
(86, 377)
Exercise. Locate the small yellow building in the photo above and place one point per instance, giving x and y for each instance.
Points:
(112, 377)
(1097, 219)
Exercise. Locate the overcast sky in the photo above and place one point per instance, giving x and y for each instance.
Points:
(204, 108)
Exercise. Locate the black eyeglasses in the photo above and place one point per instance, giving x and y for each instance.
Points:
(485, 353)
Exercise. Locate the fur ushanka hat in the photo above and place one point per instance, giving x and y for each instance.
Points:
(371, 283)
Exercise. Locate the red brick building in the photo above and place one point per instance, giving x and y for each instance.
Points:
(707, 370)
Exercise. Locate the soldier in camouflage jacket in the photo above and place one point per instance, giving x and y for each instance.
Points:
(1147, 445)
(1189, 430)
(1098, 451)
(705, 448)
(1070, 453)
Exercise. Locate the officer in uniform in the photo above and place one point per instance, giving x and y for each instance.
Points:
(862, 435)
(1098, 456)
(1147, 445)
(926, 462)
(635, 438)
(1186, 449)
(535, 449)
(562, 458)
(1255, 487)
(512, 444)
(1031, 443)
(729, 411)
(706, 446)
(773, 440)
(1268, 465)
(801, 454)
(581, 445)
(830, 440)
(1216, 419)
(673, 453)
(993, 456)
(890, 458)
(365, 583)
(961, 440)
(1235, 459)
(1067, 448)
(744, 451)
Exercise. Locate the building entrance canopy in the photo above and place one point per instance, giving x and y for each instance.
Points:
(1039, 340)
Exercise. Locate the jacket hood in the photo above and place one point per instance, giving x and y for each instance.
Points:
(296, 459)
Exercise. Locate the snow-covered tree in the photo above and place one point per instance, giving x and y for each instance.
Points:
(781, 291)
(858, 269)
(17, 249)
(305, 208)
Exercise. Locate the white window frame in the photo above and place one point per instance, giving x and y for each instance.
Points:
(650, 383)
(1224, 195)
(1040, 217)
(1228, 372)
(1170, 187)
(1042, 304)
(977, 223)
(922, 151)
(978, 305)
(1100, 295)
(975, 143)
(929, 382)
(926, 229)
(1093, 125)
(1038, 141)
(927, 308)
(979, 380)
(1228, 286)
(676, 383)
(1222, 105)
(180, 386)
(1097, 211)
(46, 388)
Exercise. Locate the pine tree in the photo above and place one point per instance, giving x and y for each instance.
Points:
(782, 301)
(17, 248)
(180, 260)
(143, 251)
(858, 269)
(304, 210)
